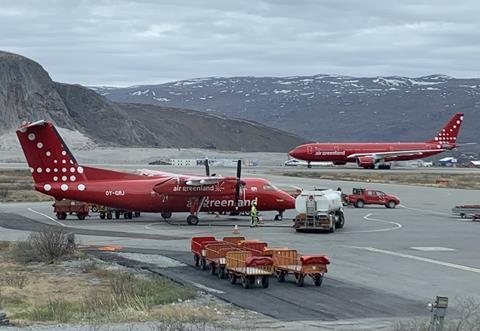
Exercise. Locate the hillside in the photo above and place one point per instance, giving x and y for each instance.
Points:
(28, 93)
(326, 107)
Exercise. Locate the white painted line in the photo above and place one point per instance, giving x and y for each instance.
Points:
(426, 211)
(205, 288)
(396, 225)
(422, 259)
(433, 249)
(50, 218)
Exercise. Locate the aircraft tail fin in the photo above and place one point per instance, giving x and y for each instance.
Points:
(51, 163)
(448, 134)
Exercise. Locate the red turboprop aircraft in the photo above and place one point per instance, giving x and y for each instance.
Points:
(367, 155)
(57, 173)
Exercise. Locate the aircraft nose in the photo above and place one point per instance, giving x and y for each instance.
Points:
(288, 201)
(294, 153)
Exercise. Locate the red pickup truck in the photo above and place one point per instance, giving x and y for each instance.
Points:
(361, 197)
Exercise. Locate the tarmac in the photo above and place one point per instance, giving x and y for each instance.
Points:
(387, 264)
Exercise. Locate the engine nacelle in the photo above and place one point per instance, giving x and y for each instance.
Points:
(366, 162)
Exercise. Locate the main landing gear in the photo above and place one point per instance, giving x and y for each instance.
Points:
(279, 216)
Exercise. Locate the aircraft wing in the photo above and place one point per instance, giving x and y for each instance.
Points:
(189, 180)
(147, 172)
(384, 155)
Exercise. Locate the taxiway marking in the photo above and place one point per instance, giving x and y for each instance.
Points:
(396, 225)
(50, 218)
(419, 258)
(425, 211)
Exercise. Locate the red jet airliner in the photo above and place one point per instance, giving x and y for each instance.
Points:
(57, 173)
(366, 155)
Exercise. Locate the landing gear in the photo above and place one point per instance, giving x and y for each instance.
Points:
(192, 220)
(309, 165)
(279, 216)
(166, 215)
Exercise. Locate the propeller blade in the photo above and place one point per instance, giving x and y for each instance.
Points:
(239, 169)
(207, 168)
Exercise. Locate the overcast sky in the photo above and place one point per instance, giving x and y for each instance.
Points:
(140, 42)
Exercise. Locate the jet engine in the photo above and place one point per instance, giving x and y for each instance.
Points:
(366, 162)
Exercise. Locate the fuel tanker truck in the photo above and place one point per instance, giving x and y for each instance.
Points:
(319, 210)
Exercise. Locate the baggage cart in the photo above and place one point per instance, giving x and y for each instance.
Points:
(216, 254)
(65, 207)
(198, 249)
(250, 269)
(466, 211)
(257, 248)
(288, 262)
(234, 240)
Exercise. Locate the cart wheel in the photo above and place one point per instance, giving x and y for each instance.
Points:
(213, 269)
(117, 214)
(221, 273)
(61, 216)
(251, 279)
(318, 280)
(300, 280)
(203, 264)
(81, 216)
(281, 276)
(265, 281)
(233, 278)
(245, 282)
(137, 214)
(109, 216)
(102, 216)
(196, 260)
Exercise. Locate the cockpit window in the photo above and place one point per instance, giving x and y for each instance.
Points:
(269, 187)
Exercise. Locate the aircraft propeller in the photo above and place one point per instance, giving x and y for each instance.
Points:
(239, 184)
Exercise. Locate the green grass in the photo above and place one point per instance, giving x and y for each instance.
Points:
(128, 298)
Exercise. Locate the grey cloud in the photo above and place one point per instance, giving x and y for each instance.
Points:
(133, 42)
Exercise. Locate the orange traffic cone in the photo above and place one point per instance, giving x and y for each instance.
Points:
(236, 230)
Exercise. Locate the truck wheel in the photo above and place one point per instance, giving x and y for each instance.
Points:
(166, 215)
(359, 203)
(192, 220)
(391, 204)
(102, 216)
(109, 216)
(81, 216)
(62, 216)
(318, 280)
(233, 278)
(245, 282)
(341, 221)
(265, 281)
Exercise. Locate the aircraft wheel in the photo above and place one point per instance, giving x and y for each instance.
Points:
(192, 220)
(279, 217)
(166, 215)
